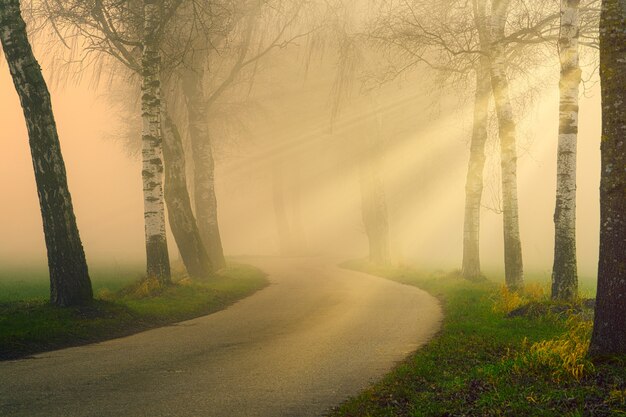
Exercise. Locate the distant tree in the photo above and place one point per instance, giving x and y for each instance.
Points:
(456, 39)
(373, 200)
(564, 271)
(69, 277)
(251, 36)
(609, 327)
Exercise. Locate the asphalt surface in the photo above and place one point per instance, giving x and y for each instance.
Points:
(315, 336)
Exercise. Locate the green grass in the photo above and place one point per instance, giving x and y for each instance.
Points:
(480, 364)
(29, 324)
(17, 284)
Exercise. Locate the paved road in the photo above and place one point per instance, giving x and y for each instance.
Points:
(313, 337)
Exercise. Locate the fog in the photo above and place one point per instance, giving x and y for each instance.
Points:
(426, 131)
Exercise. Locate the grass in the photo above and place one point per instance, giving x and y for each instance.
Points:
(17, 284)
(485, 363)
(29, 324)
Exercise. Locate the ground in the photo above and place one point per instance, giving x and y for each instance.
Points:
(316, 335)
(485, 363)
(123, 306)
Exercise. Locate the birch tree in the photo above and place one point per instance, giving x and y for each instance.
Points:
(564, 274)
(476, 165)
(513, 269)
(609, 327)
(250, 43)
(157, 257)
(69, 277)
(132, 34)
(456, 41)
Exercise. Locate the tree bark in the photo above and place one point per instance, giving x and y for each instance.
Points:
(475, 169)
(609, 328)
(204, 166)
(179, 211)
(564, 273)
(158, 264)
(474, 184)
(513, 269)
(69, 276)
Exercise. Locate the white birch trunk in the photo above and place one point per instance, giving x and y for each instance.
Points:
(152, 153)
(564, 273)
(474, 181)
(513, 269)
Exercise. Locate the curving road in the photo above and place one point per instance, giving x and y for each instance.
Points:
(313, 337)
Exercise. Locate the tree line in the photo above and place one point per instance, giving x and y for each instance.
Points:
(183, 56)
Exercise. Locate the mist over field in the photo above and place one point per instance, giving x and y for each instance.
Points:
(424, 171)
(280, 208)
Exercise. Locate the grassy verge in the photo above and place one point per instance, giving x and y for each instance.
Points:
(33, 325)
(485, 363)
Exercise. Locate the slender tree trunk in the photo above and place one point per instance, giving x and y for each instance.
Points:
(179, 211)
(475, 169)
(282, 222)
(158, 263)
(374, 204)
(609, 327)
(564, 274)
(513, 269)
(204, 166)
(69, 277)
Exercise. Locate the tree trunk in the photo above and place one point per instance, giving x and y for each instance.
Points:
(564, 274)
(204, 167)
(609, 327)
(513, 270)
(69, 277)
(282, 222)
(180, 215)
(374, 204)
(158, 263)
(474, 183)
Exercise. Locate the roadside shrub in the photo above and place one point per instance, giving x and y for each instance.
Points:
(534, 291)
(564, 355)
(147, 287)
(506, 300)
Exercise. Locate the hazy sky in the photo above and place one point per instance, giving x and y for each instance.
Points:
(425, 174)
